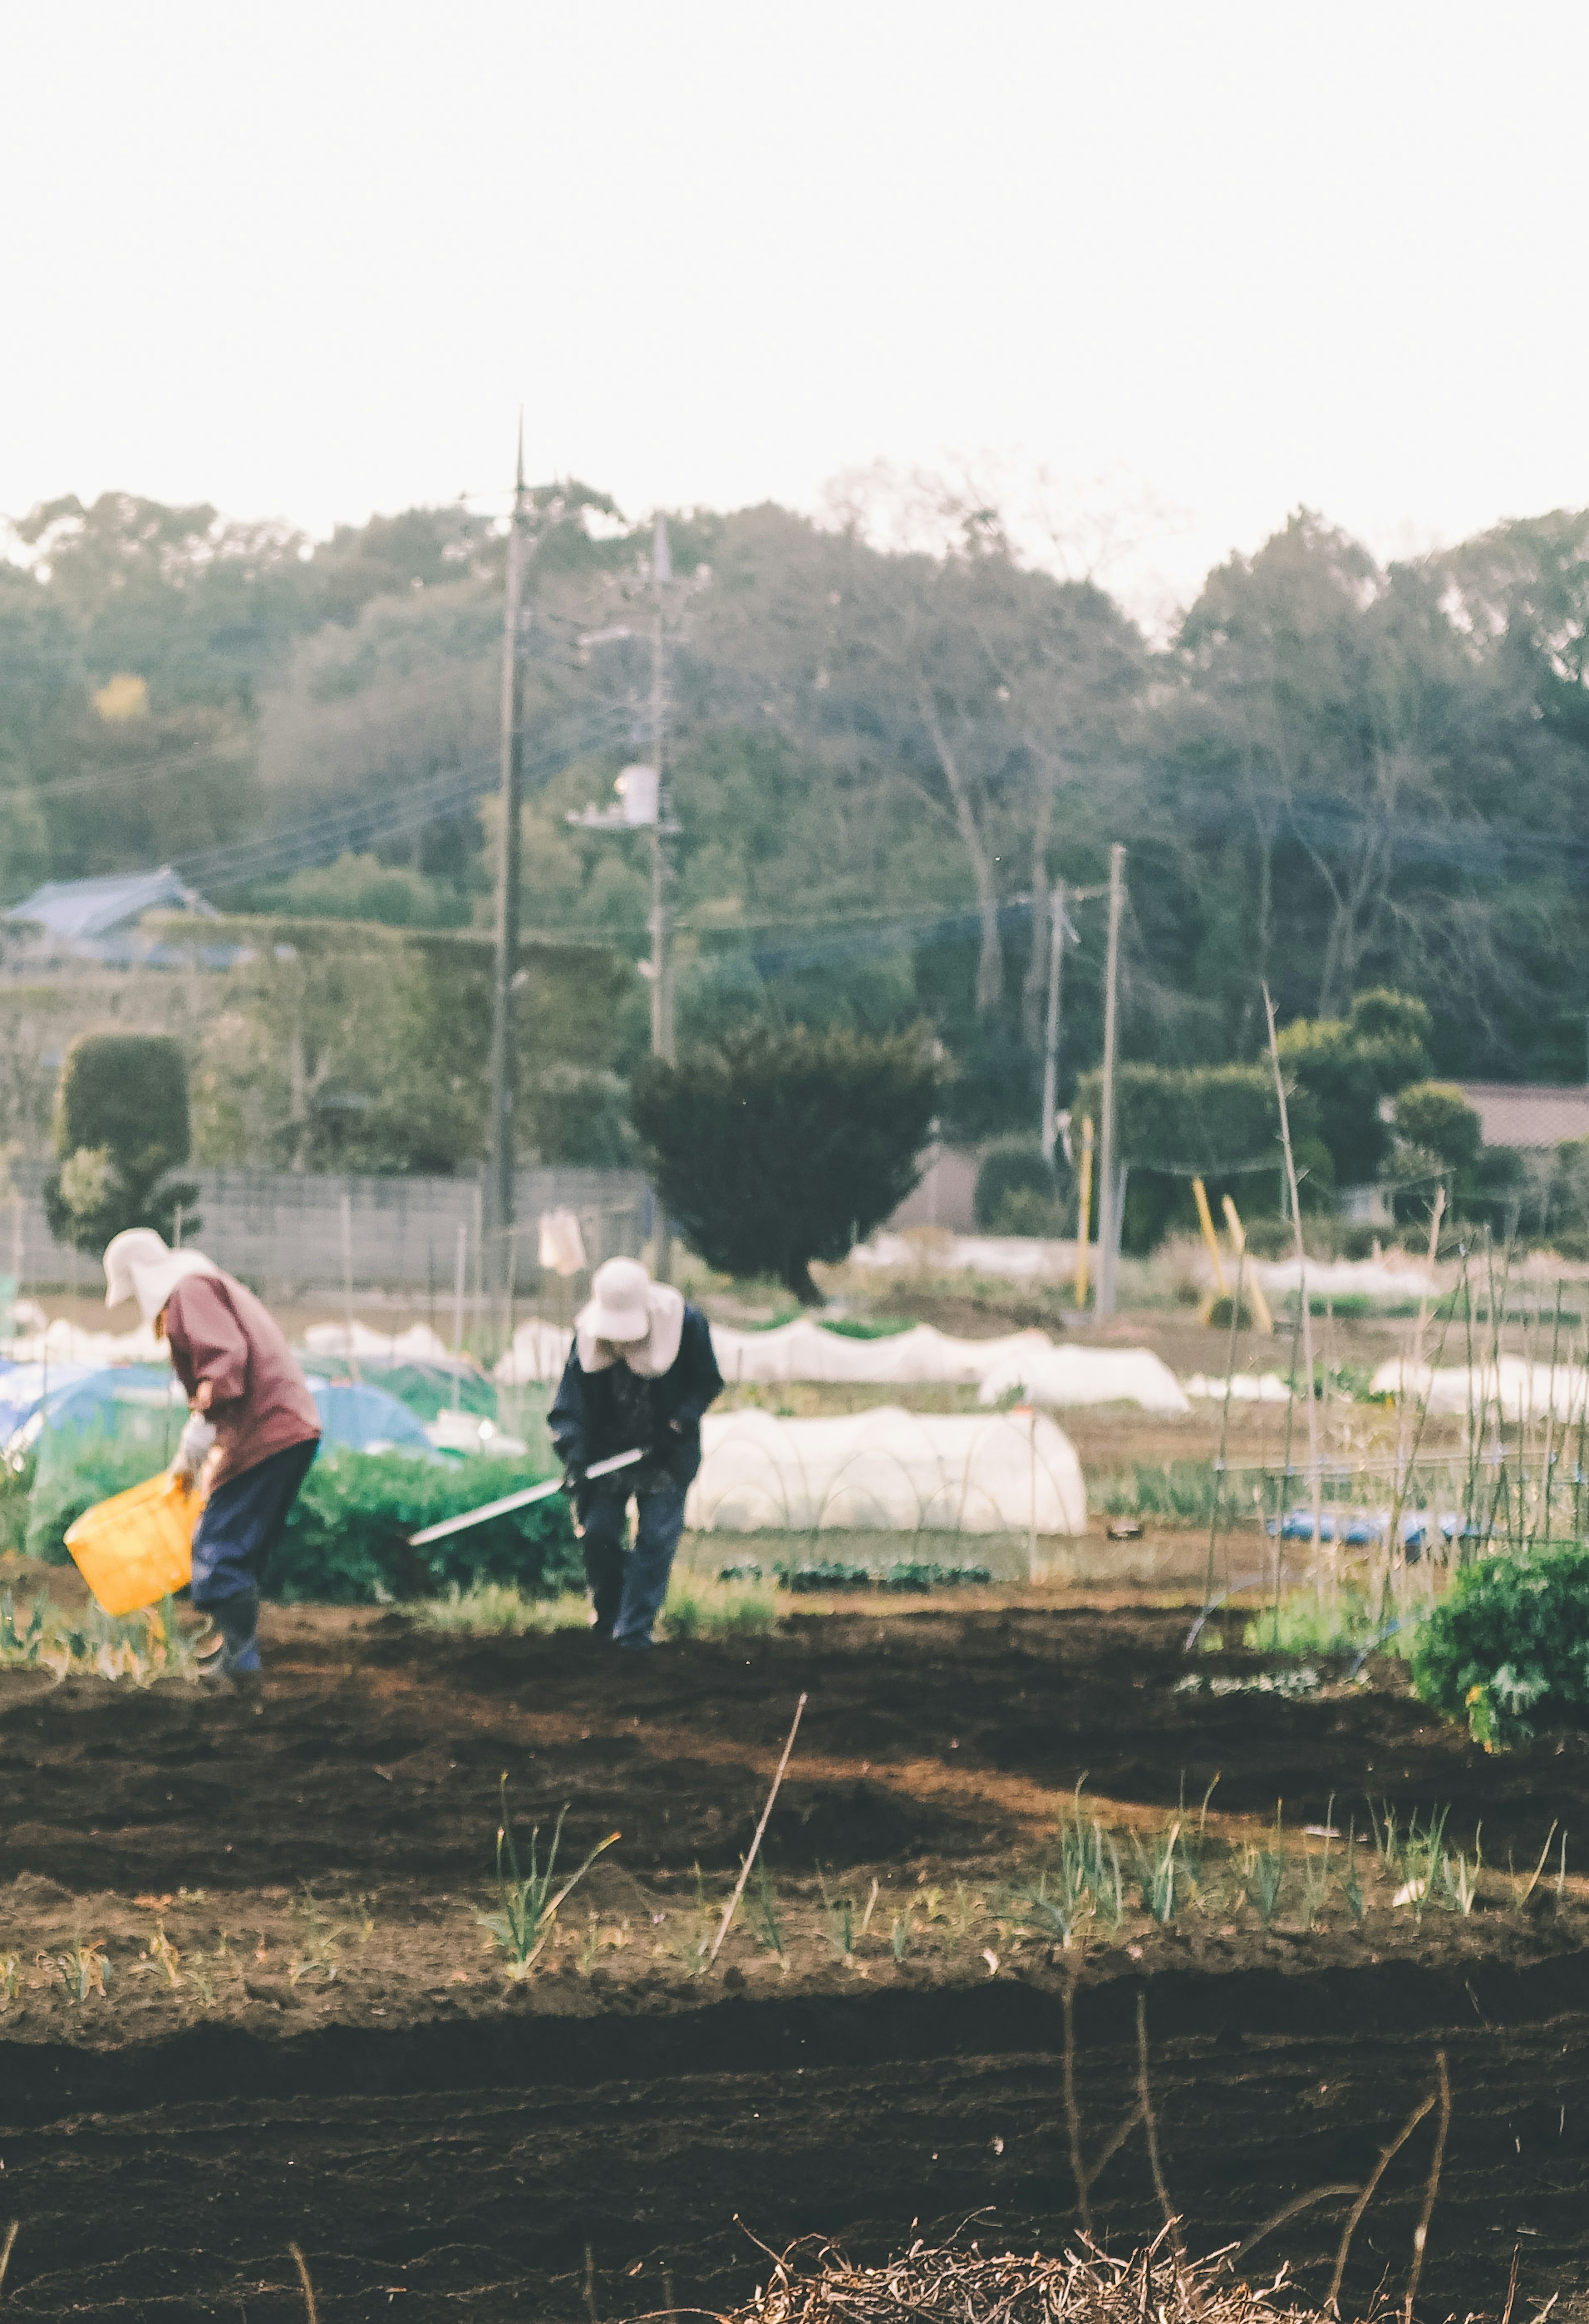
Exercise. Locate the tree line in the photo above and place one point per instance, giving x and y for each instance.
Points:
(1333, 776)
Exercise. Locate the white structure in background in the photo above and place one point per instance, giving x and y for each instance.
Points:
(926, 1251)
(1025, 1361)
(638, 788)
(1520, 1391)
(1346, 1278)
(1245, 1388)
(561, 1247)
(62, 1342)
(887, 1470)
(538, 1352)
(1072, 1375)
(806, 1350)
(417, 1345)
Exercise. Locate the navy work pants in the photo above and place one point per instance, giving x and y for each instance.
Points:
(628, 1587)
(240, 1525)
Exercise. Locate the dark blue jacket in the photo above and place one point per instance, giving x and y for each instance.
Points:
(593, 1414)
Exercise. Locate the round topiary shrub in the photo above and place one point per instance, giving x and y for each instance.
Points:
(1508, 1649)
(1015, 1190)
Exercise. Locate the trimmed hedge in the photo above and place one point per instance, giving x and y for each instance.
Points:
(122, 1122)
(1508, 1648)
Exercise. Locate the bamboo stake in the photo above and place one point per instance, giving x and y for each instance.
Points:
(1262, 1314)
(1224, 1433)
(750, 1855)
(1200, 1197)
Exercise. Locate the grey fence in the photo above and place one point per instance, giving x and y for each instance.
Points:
(288, 1234)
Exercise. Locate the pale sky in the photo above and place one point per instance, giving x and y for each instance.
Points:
(307, 260)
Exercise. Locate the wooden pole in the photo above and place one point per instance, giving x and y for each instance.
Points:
(504, 1054)
(1306, 1320)
(1083, 1210)
(1109, 1225)
(1048, 1130)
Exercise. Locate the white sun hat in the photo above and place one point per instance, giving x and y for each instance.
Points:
(620, 1307)
(140, 1265)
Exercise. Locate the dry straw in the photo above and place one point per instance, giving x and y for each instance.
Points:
(958, 2284)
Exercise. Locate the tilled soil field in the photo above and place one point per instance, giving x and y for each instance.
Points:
(247, 2000)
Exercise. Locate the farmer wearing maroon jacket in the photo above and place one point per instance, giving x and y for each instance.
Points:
(253, 1427)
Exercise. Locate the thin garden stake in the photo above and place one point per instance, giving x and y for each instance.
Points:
(1235, 1317)
(1283, 1492)
(1550, 1409)
(1285, 1133)
(1420, 2234)
(732, 1905)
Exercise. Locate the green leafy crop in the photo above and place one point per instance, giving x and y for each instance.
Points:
(1509, 1648)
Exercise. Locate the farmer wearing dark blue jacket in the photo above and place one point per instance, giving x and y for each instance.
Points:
(640, 1373)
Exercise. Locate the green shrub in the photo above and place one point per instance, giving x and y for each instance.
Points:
(822, 1574)
(121, 1125)
(1508, 1648)
(775, 1148)
(1304, 1625)
(1181, 1489)
(918, 1576)
(1436, 1117)
(1346, 1067)
(76, 1469)
(879, 1327)
(1015, 1186)
(346, 1542)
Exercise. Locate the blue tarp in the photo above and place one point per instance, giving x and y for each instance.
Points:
(144, 1401)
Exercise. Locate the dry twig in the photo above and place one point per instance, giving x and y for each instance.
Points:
(756, 1842)
(960, 2283)
(309, 2289)
(1420, 2234)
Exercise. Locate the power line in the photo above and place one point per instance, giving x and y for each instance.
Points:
(373, 821)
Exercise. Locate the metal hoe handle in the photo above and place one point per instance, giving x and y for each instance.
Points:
(519, 1501)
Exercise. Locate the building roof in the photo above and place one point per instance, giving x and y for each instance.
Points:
(73, 911)
(1532, 1115)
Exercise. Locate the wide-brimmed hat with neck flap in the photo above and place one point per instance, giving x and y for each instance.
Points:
(140, 1265)
(629, 1317)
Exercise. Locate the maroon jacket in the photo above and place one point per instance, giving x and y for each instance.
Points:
(259, 1402)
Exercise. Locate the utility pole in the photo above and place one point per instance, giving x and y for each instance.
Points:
(1049, 1131)
(504, 1061)
(661, 988)
(1109, 1225)
(661, 963)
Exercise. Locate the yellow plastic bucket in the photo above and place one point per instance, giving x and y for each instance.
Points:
(133, 1548)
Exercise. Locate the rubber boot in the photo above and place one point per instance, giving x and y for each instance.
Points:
(238, 1620)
